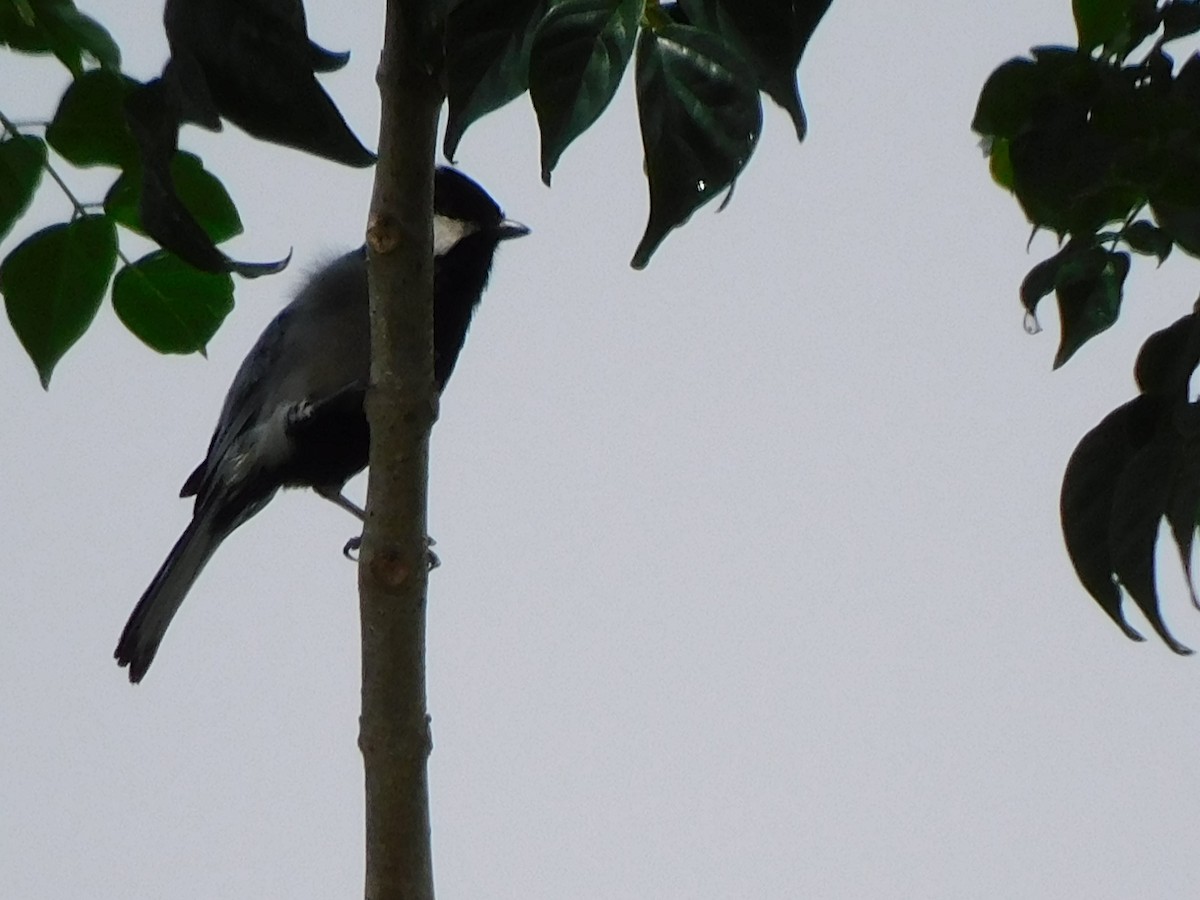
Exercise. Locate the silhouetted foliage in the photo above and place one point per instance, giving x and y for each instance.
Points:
(1100, 144)
(700, 69)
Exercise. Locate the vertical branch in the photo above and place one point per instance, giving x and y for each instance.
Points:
(394, 731)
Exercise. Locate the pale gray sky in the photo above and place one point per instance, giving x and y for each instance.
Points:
(752, 580)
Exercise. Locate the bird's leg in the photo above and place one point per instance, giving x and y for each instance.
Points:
(337, 498)
(340, 500)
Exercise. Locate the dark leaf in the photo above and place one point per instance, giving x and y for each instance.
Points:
(1139, 503)
(487, 59)
(1006, 103)
(1144, 237)
(1076, 136)
(1184, 503)
(21, 161)
(58, 27)
(256, 270)
(200, 191)
(700, 117)
(168, 222)
(323, 60)
(1176, 205)
(772, 36)
(149, 197)
(1100, 22)
(1181, 223)
(169, 305)
(160, 106)
(1167, 359)
(1180, 18)
(1042, 278)
(254, 64)
(1089, 298)
(1063, 176)
(1186, 84)
(21, 30)
(53, 283)
(89, 127)
(1144, 20)
(580, 50)
(80, 33)
(1089, 486)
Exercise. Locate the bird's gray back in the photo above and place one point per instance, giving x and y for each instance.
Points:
(317, 345)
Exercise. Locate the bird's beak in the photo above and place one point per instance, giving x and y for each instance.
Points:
(510, 229)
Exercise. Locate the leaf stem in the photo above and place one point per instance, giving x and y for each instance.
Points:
(80, 210)
(12, 128)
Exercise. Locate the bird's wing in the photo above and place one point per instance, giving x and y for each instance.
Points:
(245, 405)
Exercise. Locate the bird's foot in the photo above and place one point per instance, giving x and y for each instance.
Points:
(354, 545)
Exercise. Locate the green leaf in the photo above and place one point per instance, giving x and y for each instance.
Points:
(21, 161)
(1089, 298)
(1089, 485)
(53, 283)
(1143, 237)
(27, 30)
(1100, 22)
(201, 192)
(89, 127)
(700, 117)
(580, 50)
(1000, 163)
(58, 27)
(169, 305)
(18, 28)
(771, 36)
(86, 35)
(487, 59)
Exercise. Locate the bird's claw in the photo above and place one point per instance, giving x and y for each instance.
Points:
(350, 551)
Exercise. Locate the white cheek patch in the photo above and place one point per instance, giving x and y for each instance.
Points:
(447, 232)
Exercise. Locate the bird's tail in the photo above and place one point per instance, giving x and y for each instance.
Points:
(148, 623)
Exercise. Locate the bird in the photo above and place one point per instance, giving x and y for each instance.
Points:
(294, 415)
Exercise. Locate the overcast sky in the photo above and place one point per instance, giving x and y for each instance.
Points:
(752, 578)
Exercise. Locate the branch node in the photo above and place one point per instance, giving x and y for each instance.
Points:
(383, 234)
(389, 568)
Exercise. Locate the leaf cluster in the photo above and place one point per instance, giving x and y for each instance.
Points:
(249, 62)
(1101, 145)
(700, 68)
(1141, 464)
(57, 27)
